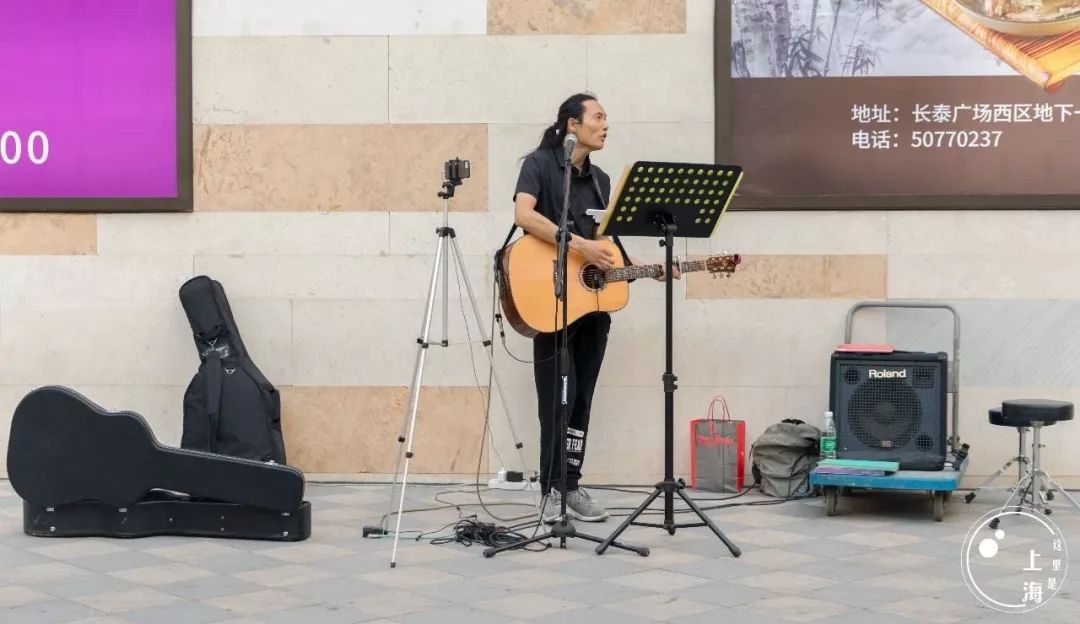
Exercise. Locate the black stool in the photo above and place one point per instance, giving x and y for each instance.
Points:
(1021, 459)
(1037, 486)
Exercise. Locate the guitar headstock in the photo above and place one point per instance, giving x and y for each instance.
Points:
(723, 264)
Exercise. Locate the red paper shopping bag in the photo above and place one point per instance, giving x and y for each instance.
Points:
(717, 451)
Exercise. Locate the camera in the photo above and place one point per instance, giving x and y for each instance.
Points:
(456, 170)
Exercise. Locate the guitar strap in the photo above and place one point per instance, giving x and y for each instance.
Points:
(214, 371)
(514, 227)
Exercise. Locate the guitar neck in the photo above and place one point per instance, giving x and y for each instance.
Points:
(637, 271)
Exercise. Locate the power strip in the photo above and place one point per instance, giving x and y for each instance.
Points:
(515, 486)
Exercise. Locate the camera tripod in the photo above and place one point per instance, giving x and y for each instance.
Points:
(453, 173)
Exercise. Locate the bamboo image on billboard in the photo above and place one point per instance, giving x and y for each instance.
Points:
(903, 103)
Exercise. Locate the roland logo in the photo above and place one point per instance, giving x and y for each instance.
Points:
(888, 374)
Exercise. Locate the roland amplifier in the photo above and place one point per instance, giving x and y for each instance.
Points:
(891, 407)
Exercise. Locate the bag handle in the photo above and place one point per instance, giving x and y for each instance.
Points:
(725, 415)
(711, 416)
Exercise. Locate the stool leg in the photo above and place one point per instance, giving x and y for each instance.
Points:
(1054, 486)
(996, 475)
(1036, 453)
(1022, 454)
(1020, 489)
(1045, 492)
(1022, 469)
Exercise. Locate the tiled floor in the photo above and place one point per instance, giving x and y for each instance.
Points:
(882, 560)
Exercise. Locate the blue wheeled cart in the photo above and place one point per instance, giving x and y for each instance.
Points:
(941, 483)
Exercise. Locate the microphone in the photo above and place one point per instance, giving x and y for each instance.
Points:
(569, 143)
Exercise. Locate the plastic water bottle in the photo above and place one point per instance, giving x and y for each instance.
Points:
(828, 438)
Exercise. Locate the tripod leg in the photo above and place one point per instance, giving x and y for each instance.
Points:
(641, 550)
(509, 420)
(487, 343)
(417, 372)
(446, 288)
(627, 522)
(414, 393)
(404, 429)
(709, 523)
(397, 467)
(562, 535)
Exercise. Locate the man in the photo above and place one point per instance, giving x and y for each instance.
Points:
(538, 202)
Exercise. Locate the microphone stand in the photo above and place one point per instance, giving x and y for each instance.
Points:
(563, 528)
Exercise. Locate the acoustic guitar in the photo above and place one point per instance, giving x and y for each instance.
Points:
(528, 296)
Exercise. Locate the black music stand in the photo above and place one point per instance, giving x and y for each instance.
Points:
(660, 199)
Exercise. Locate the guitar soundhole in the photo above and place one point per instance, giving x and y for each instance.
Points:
(593, 278)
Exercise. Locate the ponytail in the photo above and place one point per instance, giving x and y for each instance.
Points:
(550, 137)
(572, 108)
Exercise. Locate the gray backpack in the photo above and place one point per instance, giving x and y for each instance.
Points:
(783, 457)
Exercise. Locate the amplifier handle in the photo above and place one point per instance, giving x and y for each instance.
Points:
(954, 377)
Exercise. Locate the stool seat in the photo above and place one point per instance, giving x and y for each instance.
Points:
(997, 419)
(1024, 412)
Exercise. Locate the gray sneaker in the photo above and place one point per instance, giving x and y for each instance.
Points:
(581, 506)
(552, 506)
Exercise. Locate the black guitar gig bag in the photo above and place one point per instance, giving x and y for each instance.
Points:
(229, 407)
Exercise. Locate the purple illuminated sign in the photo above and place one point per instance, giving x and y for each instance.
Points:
(88, 99)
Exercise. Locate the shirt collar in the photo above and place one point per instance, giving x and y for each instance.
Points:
(586, 167)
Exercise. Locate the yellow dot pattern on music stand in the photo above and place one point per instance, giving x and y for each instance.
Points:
(649, 185)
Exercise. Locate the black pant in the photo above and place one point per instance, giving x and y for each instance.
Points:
(587, 342)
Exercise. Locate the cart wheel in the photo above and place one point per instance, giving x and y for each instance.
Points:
(939, 506)
(831, 496)
(1050, 495)
(970, 496)
(994, 523)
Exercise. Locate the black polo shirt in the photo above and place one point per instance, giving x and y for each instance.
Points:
(542, 177)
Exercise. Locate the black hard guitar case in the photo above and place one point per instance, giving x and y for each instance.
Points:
(83, 471)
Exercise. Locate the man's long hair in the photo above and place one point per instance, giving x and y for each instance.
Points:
(572, 107)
